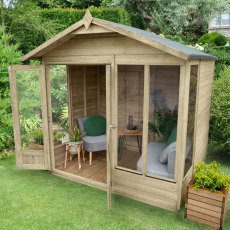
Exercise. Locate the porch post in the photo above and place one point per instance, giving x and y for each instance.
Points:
(182, 127)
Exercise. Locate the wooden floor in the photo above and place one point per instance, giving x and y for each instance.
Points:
(97, 171)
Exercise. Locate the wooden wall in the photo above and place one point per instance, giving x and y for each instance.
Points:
(166, 78)
(206, 75)
(87, 90)
(130, 95)
(100, 45)
(145, 189)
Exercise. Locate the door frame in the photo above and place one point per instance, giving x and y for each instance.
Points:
(16, 119)
(80, 179)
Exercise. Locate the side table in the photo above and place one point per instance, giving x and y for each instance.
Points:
(122, 135)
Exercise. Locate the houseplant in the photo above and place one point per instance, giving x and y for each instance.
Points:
(207, 195)
(75, 138)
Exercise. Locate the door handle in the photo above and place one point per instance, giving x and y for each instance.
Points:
(112, 126)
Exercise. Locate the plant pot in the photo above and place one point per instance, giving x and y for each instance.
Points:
(35, 146)
(206, 207)
(73, 149)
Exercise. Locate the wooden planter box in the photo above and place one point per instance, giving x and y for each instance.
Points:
(206, 207)
(35, 146)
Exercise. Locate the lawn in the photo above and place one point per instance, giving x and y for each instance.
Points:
(39, 200)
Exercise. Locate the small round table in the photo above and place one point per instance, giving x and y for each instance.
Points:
(79, 148)
(122, 135)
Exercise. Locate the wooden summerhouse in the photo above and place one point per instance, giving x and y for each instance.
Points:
(153, 92)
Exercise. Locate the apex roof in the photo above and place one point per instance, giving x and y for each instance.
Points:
(149, 38)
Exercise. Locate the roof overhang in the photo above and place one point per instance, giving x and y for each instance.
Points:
(87, 22)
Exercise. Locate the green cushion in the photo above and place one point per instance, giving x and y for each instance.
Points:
(95, 125)
(172, 137)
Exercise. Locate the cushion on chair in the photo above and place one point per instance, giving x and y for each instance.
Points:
(172, 137)
(95, 125)
(167, 150)
(94, 144)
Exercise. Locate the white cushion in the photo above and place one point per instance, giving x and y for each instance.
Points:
(154, 167)
(164, 154)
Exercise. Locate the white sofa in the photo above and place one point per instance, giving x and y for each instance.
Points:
(154, 165)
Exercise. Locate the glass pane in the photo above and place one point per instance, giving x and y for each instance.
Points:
(225, 19)
(191, 118)
(30, 113)
(163, 111)
(59, 100)
(130, 115)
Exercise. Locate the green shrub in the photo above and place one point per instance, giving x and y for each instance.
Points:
(209, 176)
(37, 136)
(222, 53)
(58, 20)
(220, 111)
(4, 154)
(58, 136)
(213, 39)
(9, 54)
(63, 18)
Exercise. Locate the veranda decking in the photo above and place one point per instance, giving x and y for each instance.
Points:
(97, 171)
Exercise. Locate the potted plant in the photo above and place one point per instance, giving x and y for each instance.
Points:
(75, 138)
(206, 201)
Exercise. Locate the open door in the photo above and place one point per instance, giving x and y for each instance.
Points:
(109, 139)
(30, 120)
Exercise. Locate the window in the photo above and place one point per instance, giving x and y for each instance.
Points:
(216, 22)
(222, 20)
(225, 19)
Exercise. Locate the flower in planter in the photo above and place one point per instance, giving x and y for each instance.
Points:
(210, 176)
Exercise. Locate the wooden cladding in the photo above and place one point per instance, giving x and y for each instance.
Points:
(203, 109)
(88, 91)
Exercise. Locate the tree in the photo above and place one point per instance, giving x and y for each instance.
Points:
(9, 54)
(188, 18)
(22, 19)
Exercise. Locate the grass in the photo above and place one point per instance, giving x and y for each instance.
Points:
(38, 200)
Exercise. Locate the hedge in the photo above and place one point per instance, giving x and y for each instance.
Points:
(66, 17)
(56, 20)
(222, 53)
(220, 111)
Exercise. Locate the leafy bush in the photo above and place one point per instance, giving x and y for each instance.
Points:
(213, 39)
(223, 57)
(209, 176)
(58, 135)
(42, 24)
(63, 18)
(220, 111)
(37, 136)
(59, 95)
(4, 154)
(9, 54)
